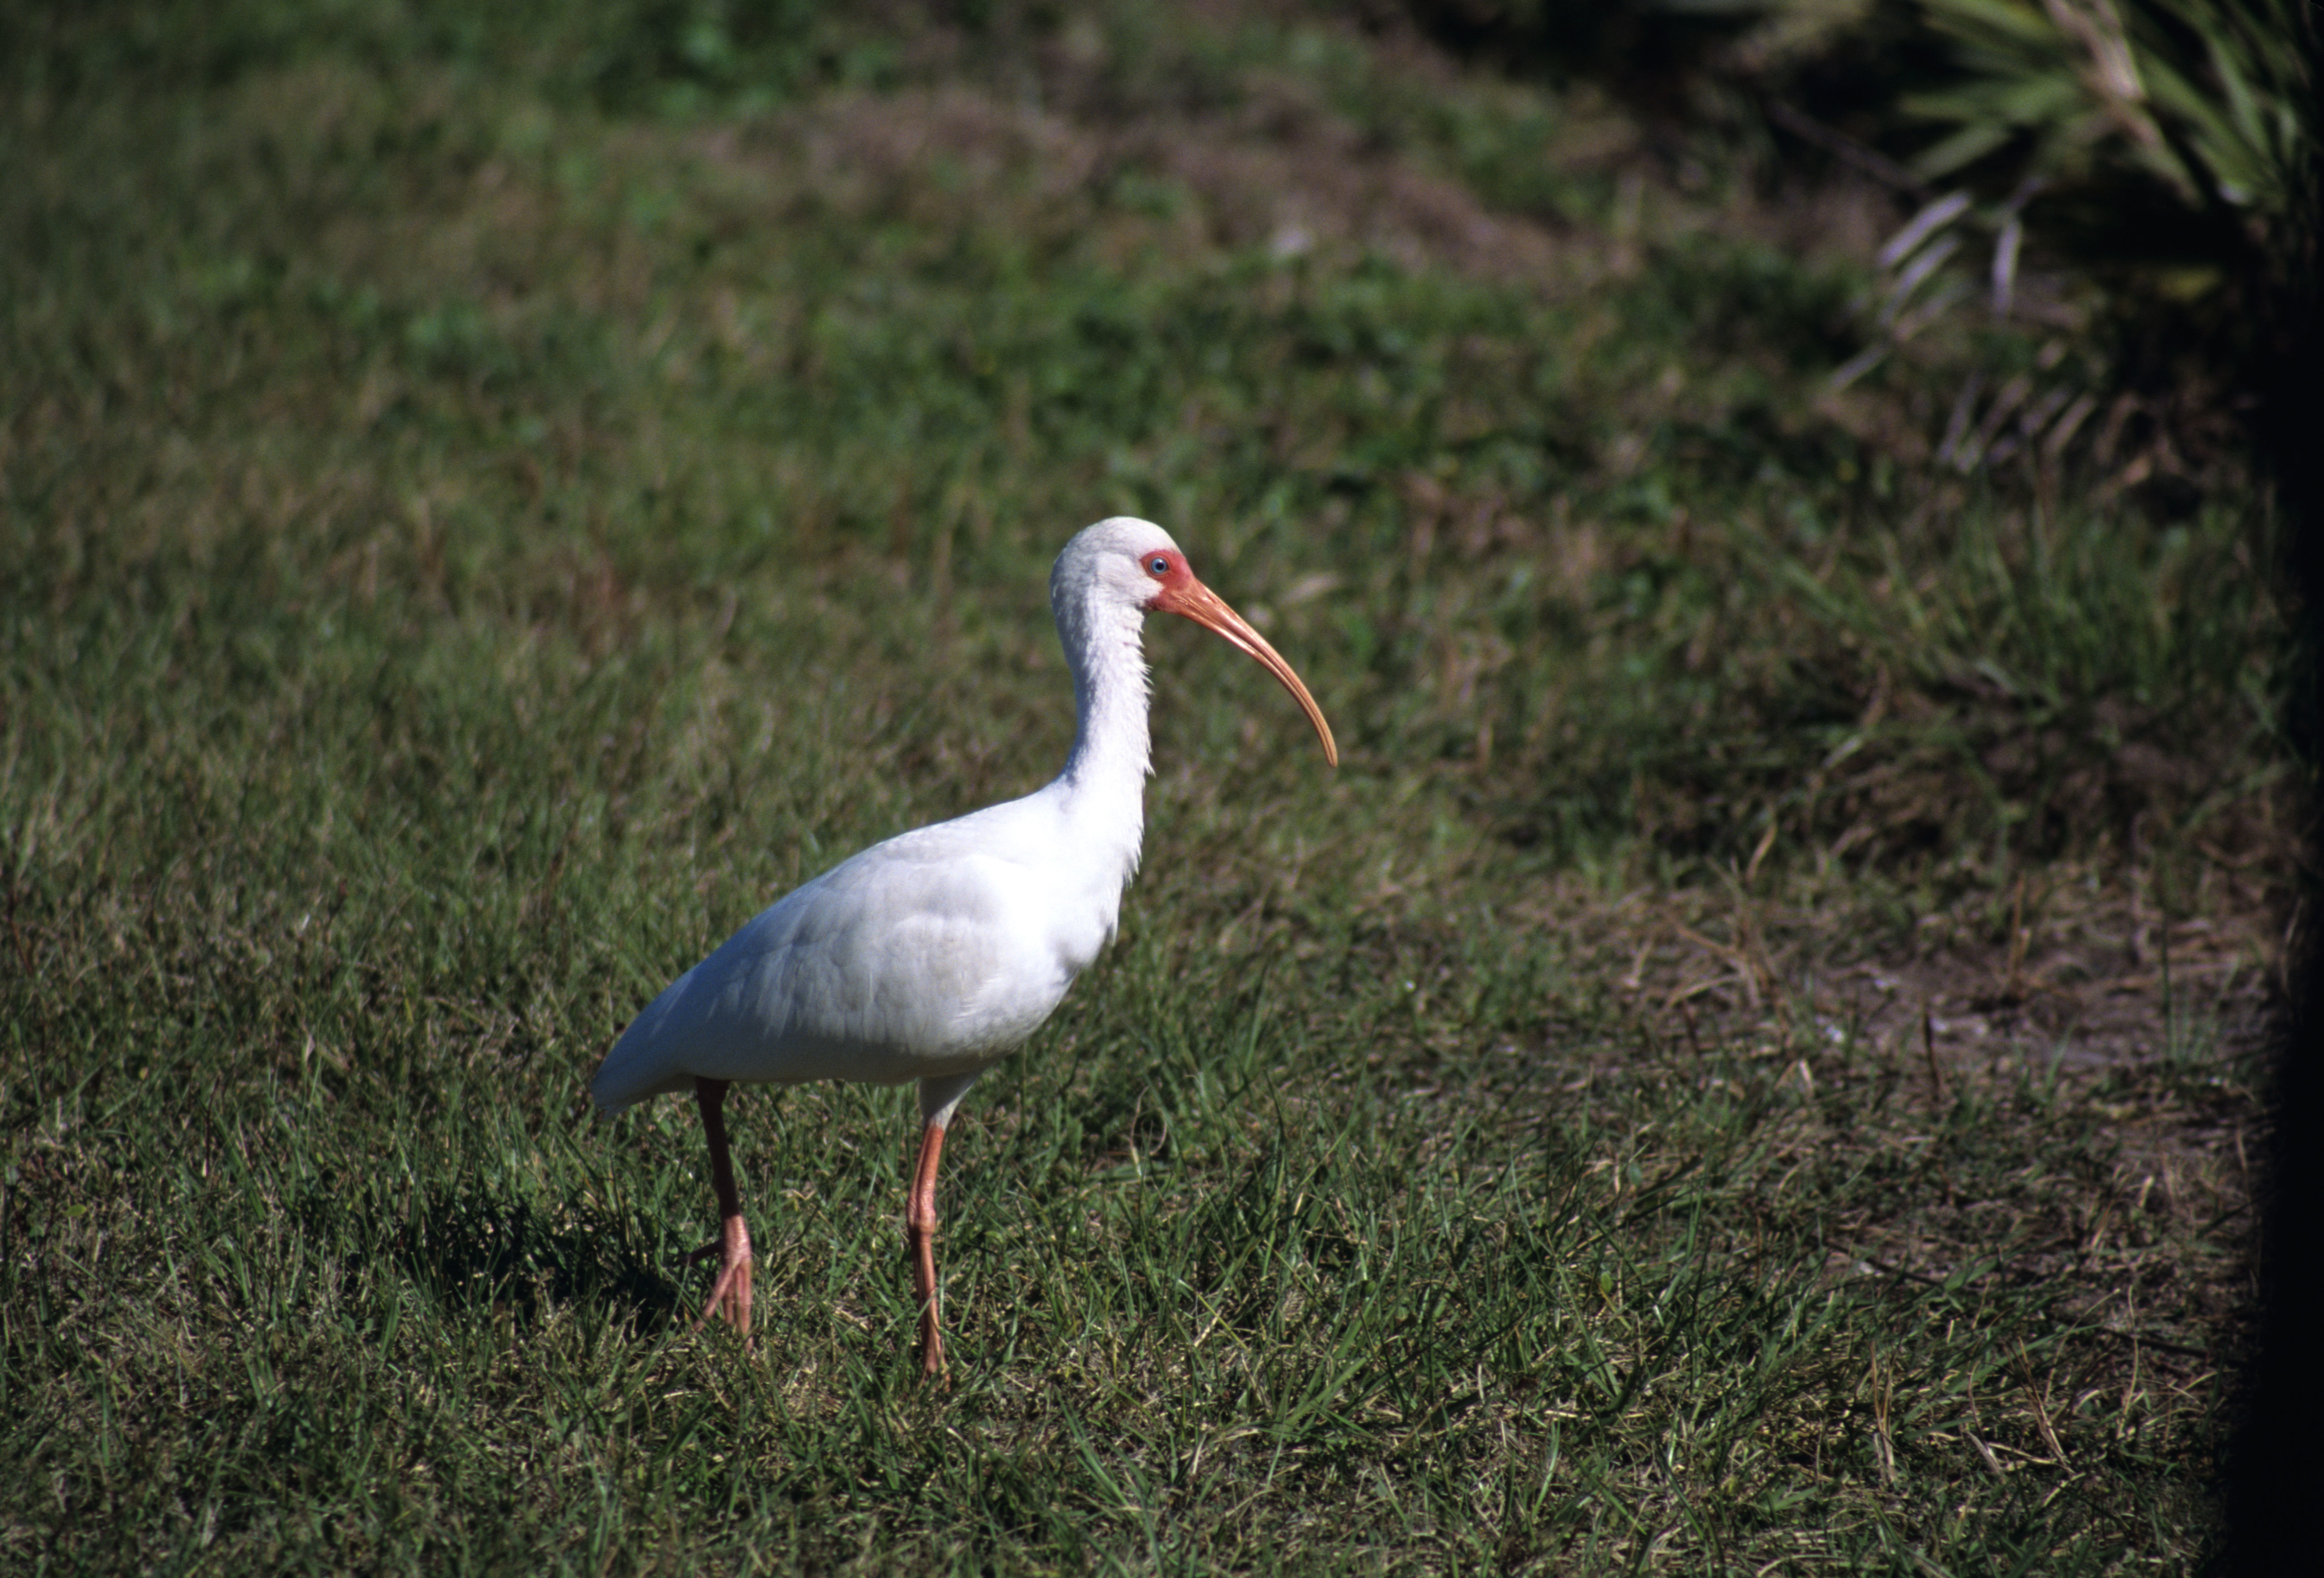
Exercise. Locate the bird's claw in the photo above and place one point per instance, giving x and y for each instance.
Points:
(730, 1295)
(730, 1299)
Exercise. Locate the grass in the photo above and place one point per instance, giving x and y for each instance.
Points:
(1747, 1066)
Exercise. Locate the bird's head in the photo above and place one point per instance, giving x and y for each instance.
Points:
(1136, 563)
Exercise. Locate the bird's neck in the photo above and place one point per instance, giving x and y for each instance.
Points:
(1104, 779)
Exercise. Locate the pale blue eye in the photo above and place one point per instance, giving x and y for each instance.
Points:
(1158, 565)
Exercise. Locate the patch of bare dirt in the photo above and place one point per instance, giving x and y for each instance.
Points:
(2076, 971)
(1277, 169)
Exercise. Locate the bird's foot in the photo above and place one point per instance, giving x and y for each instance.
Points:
(730, 1295)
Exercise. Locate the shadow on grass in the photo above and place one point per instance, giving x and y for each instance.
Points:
(473, 1249)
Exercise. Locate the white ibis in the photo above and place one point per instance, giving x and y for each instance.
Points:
(934, 954)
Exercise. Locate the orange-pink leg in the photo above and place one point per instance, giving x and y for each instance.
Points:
(920, 1235)
(730, 1295)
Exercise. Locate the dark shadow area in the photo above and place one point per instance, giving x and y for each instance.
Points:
(471, 1250)
(2277, 1461)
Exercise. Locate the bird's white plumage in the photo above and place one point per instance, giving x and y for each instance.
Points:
(933, 954)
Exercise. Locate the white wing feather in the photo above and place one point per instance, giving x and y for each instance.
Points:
(934, 952)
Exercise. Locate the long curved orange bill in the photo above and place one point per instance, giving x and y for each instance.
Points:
(1194, 601)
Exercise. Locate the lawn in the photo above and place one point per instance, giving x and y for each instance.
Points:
(1748, 1066)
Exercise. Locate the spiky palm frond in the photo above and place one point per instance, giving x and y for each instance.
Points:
(2213, 100)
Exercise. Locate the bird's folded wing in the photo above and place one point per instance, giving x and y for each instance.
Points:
(881, 971)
